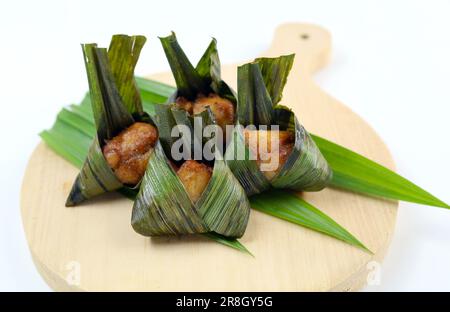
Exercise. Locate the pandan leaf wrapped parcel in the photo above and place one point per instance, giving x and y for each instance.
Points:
(119, 117)
(301, 166)
(189, 196)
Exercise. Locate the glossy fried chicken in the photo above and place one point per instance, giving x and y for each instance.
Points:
(195, 177)
(265, 153)
(222, 109)
(128, 152)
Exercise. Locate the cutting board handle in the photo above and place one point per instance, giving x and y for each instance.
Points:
(310, 43)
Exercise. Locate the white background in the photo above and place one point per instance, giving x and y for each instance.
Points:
(391, 64)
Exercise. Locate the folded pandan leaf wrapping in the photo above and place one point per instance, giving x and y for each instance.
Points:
(191, 81)
(116, 105)
(163, 206)
(260, 87)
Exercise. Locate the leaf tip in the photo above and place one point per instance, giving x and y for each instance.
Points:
(248, 252)
(364, 248)
(360, 245)
(443, 205)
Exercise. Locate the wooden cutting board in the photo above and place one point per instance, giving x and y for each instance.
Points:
(93, 247)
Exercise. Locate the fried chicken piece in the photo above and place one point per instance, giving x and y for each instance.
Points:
(184, 104)
(264, 154)
(173, 165)
(222, 109)
(128, 152)
(195, 177)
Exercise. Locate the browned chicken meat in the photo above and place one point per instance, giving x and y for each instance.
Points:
(184, 104)
(265, 154)
(195, 177)
(128, 152)
(222, 109)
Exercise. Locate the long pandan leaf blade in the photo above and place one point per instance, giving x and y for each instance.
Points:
(289, 207)
(61, 138)
(76, 120)
(153, 92)
(356, 173)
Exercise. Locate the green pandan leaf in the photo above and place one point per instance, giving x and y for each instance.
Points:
(289, 207)
(356, 173)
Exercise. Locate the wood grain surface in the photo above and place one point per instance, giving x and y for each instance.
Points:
(93, 247)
